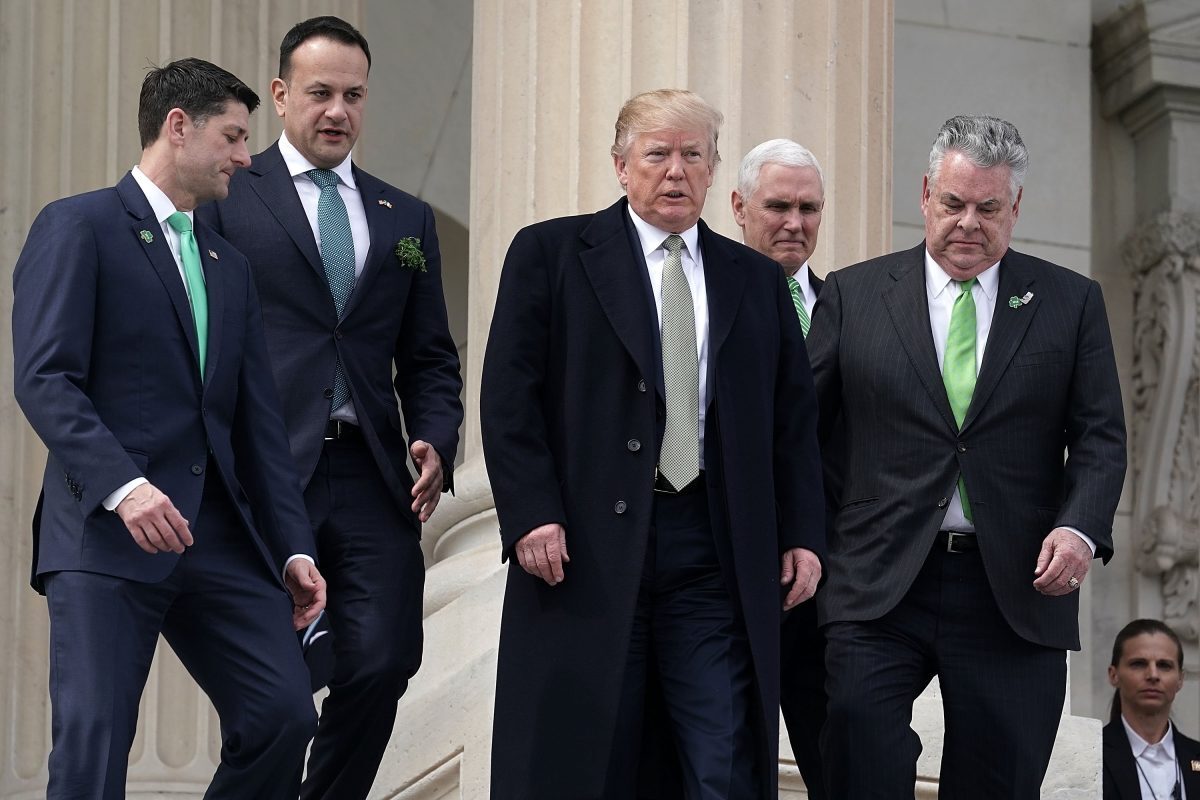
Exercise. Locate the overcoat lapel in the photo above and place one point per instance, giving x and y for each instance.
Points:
(1009, 324)
(276, 188)
(908, 307)
(612, 269)
(724, 281)
(158, 252)
(381, 220)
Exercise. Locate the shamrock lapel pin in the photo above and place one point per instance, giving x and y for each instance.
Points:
(1017, 302)
(387, 203)
(146, 236)
(213, 255)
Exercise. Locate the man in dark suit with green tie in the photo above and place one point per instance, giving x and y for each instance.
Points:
(778, 203)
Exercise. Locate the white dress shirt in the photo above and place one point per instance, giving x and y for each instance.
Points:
(651, 239)
(310, 194)
(1157, 768)
(941, 293)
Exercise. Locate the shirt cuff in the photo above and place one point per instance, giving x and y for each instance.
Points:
(1086, 539)
(111, 502)
(310, 560)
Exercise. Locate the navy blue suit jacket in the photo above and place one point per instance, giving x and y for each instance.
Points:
(1120, 768)
(396, 316)
(107, 372)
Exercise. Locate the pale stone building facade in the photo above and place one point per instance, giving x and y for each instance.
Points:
(500, 112)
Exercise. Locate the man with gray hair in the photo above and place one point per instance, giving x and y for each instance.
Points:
(647, 406)
(777, 204)
(983, 456)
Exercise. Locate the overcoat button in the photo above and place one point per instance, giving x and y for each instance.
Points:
(328, 394)
(641, 385)
(962, 448)
(197, 469)
(634, 445)
(943, 502)
(619, 507)
(337, 334)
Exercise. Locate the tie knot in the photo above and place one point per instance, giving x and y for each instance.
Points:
(673, 243)
(180, 222)
(792, 283)
(965, 287)
(324, 178)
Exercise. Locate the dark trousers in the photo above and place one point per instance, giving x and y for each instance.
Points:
(227, 619)
(686, 627)
(802, 692)
(370, 556)
(1002, 696)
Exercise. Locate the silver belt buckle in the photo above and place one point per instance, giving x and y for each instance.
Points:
(337, 430)
(950, 538)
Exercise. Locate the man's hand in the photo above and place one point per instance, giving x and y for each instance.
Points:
(802, 569)
(153, 521)
(543, 551)
(428, 488)
(307, 588)
(1064, 556)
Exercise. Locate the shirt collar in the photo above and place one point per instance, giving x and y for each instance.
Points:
(652, 238)
(1139, 745)
(936, 279)
(297, 164)
(160, 204)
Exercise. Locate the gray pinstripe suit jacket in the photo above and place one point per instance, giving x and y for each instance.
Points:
(1042, 444)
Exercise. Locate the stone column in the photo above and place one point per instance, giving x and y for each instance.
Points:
(71, 71)
(548, 80)
(1147, 65)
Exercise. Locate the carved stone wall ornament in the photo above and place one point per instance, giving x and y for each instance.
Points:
(1164, 258)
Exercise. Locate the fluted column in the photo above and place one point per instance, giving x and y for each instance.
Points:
(71, 71)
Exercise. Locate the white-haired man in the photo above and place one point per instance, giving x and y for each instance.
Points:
(777, 204)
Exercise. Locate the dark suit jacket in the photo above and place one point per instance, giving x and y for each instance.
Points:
(1120, 769)
(1047, 386)
(571, 414)
(106, 370)
(396, 316)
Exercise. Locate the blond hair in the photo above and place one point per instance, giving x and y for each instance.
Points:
(662, 109)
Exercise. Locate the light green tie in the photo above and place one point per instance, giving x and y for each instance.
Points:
(679, 455)
(193, 275)
(958, 366)
(798, 302)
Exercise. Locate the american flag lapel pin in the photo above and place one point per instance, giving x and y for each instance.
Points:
(1196, 765)
(386, 203)
(1026, 298)
(213, 255)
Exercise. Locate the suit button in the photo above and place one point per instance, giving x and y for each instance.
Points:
(943, 502)
(641, 385)
(197, 469)
(619, 507)
(337, 334)
(962, 448)
(633, 445)
(328, 394)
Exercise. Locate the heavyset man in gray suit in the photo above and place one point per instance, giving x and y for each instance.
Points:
(983, 456)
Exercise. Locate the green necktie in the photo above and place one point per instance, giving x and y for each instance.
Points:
(193, 276)
(958, 366)
(337, 256)
(798, 302)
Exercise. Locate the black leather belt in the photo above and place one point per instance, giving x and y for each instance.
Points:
(338, 430)
(956, 542)
(663, 486)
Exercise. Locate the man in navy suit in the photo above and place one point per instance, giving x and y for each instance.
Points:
(778, 203)
(170, 502)
(350, 278)
(981, 457)
(648, 425)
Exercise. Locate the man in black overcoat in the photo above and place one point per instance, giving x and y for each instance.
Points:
(649, 428)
